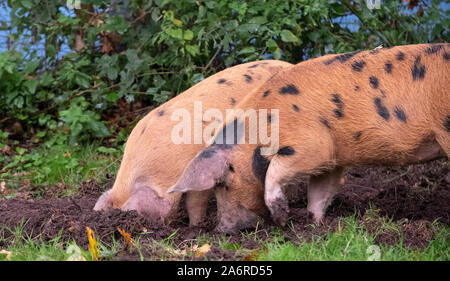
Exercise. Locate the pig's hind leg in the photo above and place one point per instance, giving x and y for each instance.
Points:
(321, 191)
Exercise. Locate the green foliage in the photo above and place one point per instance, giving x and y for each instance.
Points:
(167, 46)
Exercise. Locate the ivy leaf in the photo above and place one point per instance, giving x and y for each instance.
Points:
(188, 35)
(31, 85)
(288, 36)
(193, 50)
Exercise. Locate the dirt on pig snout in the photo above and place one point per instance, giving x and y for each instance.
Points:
(413, 196)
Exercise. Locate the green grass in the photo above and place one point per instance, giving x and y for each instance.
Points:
(352, 243)
(57, 164)
(26, 248)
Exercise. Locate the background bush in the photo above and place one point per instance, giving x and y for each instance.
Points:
(78, 71)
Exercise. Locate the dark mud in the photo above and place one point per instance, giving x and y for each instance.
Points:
(411, 197)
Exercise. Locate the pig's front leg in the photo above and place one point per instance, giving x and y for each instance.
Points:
(321, 191)
(196, 205)
(311, 153)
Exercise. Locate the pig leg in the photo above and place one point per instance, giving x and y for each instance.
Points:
(196, 205)
(321, 190)
(443, 138)
(313, 154)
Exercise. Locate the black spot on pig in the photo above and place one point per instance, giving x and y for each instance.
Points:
(341, 58)
(253, 66)
(221, 81)
(357, 136)
(433, 49)
(260, 164)
(336, 99)
(388, 67)
(381, 109)
(143, 131)
(161, 113)
(266, 93)
(358, 66)
(356, 88)
(447, 123)
(446, 56)
(418, 69)
(232, 101)
(400, 114)
(373, 82)
(338, 113)
(325, 122)
(286, 151)
(400, 56)
(345, 57)
(295, 107)
(289, 90)
(248, 78)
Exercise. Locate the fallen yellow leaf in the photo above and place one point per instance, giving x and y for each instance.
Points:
(93, 246)
(202, 250)
(126, 236)
(7, 253)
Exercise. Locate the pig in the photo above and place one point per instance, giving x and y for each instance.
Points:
(152, 162)
(387, 106)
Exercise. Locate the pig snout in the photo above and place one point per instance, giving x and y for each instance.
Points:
(104, 202)
(232, 216)
(148, 203)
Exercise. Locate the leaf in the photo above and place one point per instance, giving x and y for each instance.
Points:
(254, 255)
(177, 22)
(193, 50)
(289, 37)
(175, 33)
(126, 237)
(202, 250)
(188, 35)
(271, 45)
(7, 253)
(107, 150)
(247, 50)
(31, 85)
(93, 245)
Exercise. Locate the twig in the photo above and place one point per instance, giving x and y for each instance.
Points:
(212, 59)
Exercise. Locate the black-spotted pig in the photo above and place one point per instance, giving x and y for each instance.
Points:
(388, 106)
(152, 162)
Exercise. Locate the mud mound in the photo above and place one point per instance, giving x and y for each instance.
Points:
(412, 197)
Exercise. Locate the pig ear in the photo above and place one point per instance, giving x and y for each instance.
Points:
(207, 169)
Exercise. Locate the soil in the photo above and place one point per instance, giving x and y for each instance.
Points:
(413, 197)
